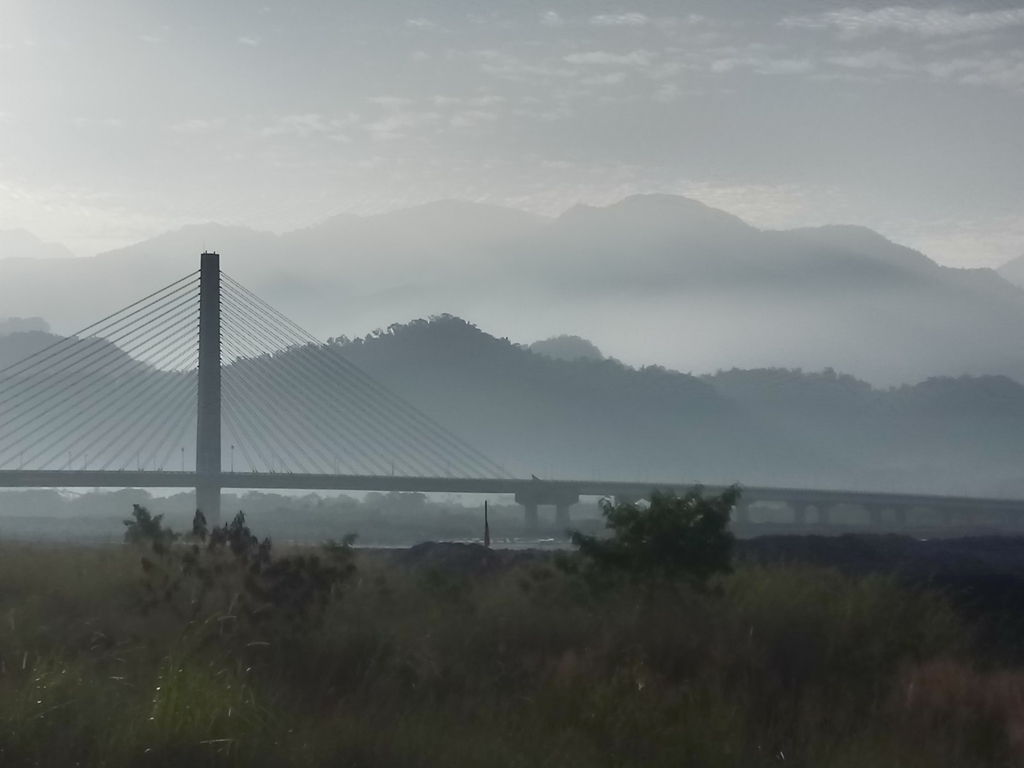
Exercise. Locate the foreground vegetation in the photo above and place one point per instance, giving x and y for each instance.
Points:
(213, 649)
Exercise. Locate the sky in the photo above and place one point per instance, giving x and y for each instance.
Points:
(121, 120)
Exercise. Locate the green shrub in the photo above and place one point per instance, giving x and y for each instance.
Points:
(227, 574)
(672, 539)
(521, 665)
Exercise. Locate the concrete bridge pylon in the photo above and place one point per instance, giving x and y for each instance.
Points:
(208, 442)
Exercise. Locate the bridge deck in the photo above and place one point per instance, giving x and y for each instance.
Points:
(545, 488)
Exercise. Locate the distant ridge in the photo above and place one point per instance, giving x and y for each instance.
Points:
(589, 417)
(598, 418)
(22, 244)
(1013, 271)
(649, 279)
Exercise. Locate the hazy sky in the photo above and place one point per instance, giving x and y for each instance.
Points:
(119, 120)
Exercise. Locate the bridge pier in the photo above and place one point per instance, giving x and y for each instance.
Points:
(560, 497)
(742, 513)
(208, 446)
(875, 513)
(208, 502)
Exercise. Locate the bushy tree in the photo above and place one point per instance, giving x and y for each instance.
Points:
(227, 573)
(673, 539)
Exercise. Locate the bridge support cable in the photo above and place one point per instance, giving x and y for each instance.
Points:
(101, 393)
(274, 421)
(201, 361)
(304, 383)
(177, 435)
(93, 359)
(345, 371)
(261, 388)
(149, 431)
(116, 412)
(319, 401)
(336, 380)
(122, 377)
(100, 328)
(301, 346)
(154, 396)
(164, 388)
(240, 439)
(76, 355)
(168, 426)
(313, 409)
(253, 386)
(239, 410)
(122, 392)
(379, 432)
(366, 427)
(320, 405)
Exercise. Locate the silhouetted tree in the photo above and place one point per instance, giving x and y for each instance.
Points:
(672, 539)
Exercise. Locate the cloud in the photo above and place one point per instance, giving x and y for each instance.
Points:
(300, 126)
(486, 101)
(875, 59)
(390, 102)
(918, 21)
(1006, 71)
(612, 78)
(763, 65)
(667, 93)
(398, 124)
(551, 19)
(419, 23)
(638, 58)
(514, 68)
(472, 118)
(620, 20)
(197, 126)
(106, 122)
(249, 40)
(963, 242)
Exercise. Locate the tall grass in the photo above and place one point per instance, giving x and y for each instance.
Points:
(519, 666)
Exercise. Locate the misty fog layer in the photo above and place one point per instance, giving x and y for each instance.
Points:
(652, 279)
(596, 418)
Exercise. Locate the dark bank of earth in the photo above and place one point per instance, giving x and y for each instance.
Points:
(983, 576)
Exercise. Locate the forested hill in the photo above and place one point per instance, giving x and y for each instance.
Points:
(593, 418)
(601, 418)
(597, 418)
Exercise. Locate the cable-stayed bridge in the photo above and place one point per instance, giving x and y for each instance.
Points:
(204, 385)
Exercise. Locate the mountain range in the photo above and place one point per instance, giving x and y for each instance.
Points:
(1013, 271)
(600, 418)
(651, 279)
(595, 417)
